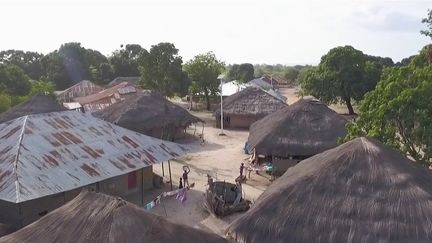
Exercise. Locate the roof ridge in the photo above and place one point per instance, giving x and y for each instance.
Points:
(21, 136)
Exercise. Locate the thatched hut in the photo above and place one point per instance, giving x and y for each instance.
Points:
(96, 217)
(361, 191)
(34, 105)
(151, 114)
(247, 106)
(303, 129)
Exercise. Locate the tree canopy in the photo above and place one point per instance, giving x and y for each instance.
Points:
(243, 72)
(161, 70)
(398, 111)
(126, 61)
(13, 80)
(29, 62)
(428, 22)
(203, 70)
(344, 74)
(291, 73)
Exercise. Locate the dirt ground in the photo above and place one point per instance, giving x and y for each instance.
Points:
(220, 157)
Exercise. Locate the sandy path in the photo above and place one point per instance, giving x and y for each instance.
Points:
(220, 157)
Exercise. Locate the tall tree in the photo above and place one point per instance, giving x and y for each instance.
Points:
(398, 111)
(42, 87)
(342, 75)
(291, 73)
(72, 63)
(126, 61)
(203, 70)
(13, 80)
(428, 22)
(161, 70)
(5, 101)
(243, 72)
(28, 61)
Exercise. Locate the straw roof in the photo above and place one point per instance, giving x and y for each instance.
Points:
(361, 191)
(34, 105)
(251, 101)
(95, 217)
(146, 111)
(305, 128)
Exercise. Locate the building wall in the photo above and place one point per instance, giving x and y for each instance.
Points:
(105, 102)
(237, 121)
(32, 210)
(85, 88)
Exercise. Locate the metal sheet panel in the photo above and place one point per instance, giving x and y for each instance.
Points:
(55, 152)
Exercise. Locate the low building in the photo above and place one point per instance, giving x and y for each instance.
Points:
(47, 159)
(34, 105)
(243, 108)
(107, 97)
(96, 217)
(303, 129)
(83, 88)
(151, 114)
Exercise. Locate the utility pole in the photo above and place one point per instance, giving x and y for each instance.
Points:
(221, 77)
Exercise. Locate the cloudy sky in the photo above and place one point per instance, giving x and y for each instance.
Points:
(237, 31)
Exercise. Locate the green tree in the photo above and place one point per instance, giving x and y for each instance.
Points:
(126, 61)
(42, 87)
(243, 72)
(5, 101)
(13, 80)
(291, 73)
(161, 70)
(30, 62)
(203, 70)
(342, 76)
(72, 63)
(398, 111)
(428, 22)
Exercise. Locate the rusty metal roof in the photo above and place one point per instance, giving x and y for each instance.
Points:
(50, 153)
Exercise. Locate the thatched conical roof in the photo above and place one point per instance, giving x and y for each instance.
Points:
(34, 105)
(361, 191)
(305, 128)
(251, 101)
(146, 111)
(95, 217)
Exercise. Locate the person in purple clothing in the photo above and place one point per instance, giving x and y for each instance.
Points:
(186, 171)
(180, 183)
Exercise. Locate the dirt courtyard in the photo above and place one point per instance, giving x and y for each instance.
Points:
(220, 157)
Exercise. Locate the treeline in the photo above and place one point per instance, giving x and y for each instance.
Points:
(159, 68)
(394, 100)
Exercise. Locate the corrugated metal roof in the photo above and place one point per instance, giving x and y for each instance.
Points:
(106, 93)
(232, 87)
(50, 153)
